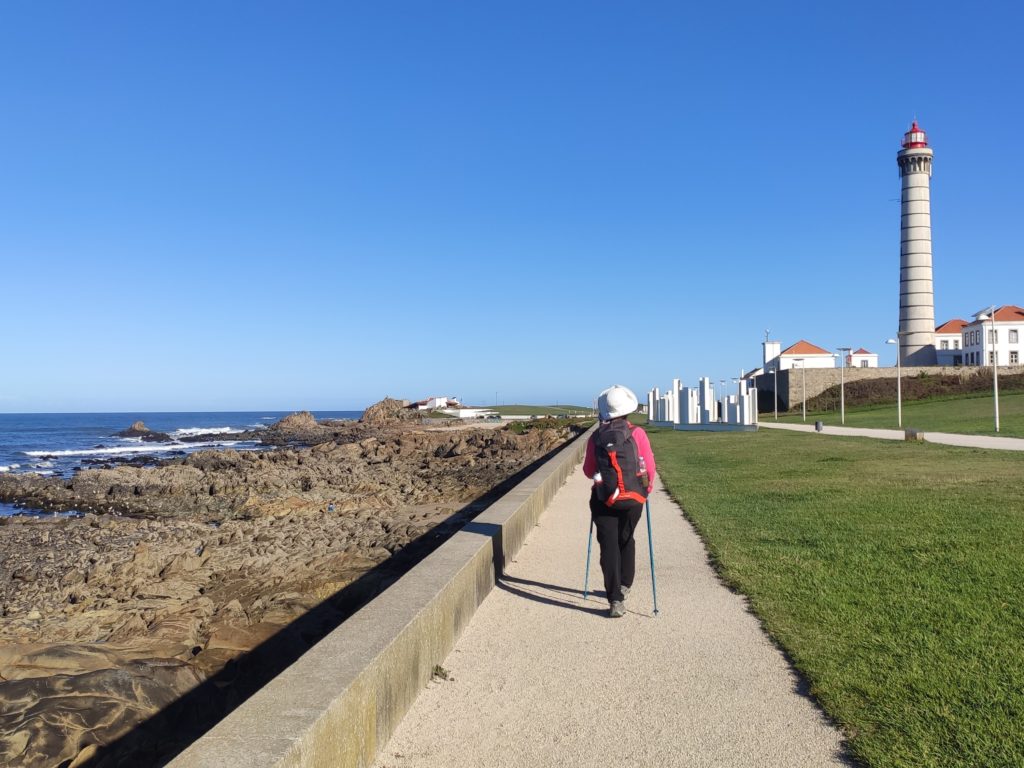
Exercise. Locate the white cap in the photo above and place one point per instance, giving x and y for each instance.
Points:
(616, 401)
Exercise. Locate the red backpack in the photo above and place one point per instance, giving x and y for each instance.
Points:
(623, 477)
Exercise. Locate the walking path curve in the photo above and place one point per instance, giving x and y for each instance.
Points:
(541, 677)
(945, 438)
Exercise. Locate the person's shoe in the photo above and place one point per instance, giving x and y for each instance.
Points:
(625, 591)
(617, 610)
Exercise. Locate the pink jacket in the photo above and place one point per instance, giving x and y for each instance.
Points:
(642, 444)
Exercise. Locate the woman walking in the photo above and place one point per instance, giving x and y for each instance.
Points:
(621, 464)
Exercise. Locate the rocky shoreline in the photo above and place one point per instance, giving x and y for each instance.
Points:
(182, 569)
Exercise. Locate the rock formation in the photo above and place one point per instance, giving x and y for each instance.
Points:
(179, 571)
(139, 429)
(388, 410)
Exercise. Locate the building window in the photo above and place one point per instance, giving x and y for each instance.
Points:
(1014, 359)
(1013, 335)
(956, 343)
(863, 363)
(993, 337)
(944, 344)
(992, 357)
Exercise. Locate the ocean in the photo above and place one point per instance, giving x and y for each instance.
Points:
(58, 443)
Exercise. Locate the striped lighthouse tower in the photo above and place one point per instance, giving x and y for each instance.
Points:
(917, 296)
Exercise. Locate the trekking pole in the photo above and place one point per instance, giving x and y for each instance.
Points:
(650, 547)
(590, 541)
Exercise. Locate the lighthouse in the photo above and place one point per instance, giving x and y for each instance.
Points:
(917, 295)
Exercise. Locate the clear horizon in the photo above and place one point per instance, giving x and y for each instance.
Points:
(211, 207)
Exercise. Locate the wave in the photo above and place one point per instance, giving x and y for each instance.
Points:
(190, 431)
(9, 467)
(141, 448)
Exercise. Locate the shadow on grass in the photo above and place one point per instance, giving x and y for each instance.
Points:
(159, 739)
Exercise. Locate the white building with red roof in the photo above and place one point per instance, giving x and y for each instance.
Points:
(803, 354)
(949, 342)
(862, 359)
(984, 344)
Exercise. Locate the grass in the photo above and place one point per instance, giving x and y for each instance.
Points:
(537, 410)
(889, 572)
(970, 415)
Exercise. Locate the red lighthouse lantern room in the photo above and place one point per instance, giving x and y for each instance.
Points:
(915, 137)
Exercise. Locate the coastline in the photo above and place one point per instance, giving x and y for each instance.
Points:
(231, 548)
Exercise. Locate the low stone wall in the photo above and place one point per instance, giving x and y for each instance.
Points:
(340, 703)
(791, 382)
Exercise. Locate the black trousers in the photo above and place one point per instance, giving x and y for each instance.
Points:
(618, 548)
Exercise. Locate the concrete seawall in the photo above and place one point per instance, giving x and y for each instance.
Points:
(339, 703)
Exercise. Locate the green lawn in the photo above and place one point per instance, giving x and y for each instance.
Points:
(965, 415)
(536, 410)
(891, 573)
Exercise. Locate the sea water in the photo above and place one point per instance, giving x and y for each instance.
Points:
(57, 443)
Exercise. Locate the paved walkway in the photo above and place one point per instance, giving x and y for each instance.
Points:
(945, 438)
(543, 678)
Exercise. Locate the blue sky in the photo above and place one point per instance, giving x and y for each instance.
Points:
(314, 205)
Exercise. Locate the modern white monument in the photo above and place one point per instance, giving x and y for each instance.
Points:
(917, 296)
(695, 408)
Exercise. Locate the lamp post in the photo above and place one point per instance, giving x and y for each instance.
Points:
(843, 351)
(987, 314)
(803, 378)
(775, 391)
(899, 392)
(753, 379)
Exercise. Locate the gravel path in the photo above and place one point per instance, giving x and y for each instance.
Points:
(543, 678)
(944, 438)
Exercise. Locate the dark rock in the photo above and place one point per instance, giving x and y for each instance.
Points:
(139, 429)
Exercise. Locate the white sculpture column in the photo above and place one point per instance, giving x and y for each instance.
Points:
(917, 295)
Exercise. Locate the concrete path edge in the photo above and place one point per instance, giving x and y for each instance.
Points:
(340, 703)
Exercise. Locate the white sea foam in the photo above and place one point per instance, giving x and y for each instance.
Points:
(141, 448)
(9, 467)
(190, 431)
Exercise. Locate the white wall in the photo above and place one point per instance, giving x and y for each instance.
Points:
(976, 344)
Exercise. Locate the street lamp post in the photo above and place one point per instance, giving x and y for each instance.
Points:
(803, 379)
(775, 391)
(987, 314)
(843, 351)
(899, 383)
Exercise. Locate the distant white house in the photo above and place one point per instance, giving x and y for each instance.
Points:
(803, 354)
(862, 359)
(948, 341)
(435, 404)
(983, 345)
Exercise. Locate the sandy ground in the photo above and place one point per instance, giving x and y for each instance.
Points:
(543, 678)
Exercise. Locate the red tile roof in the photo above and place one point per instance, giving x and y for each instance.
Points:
(805, 348)
(863, 351)
(952, 326)
(1010, 313)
